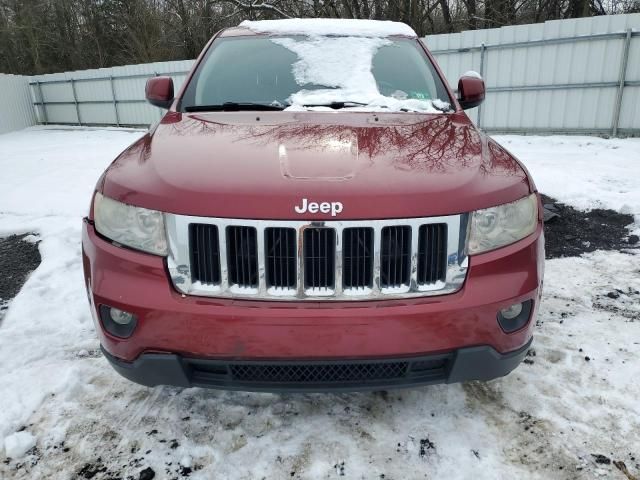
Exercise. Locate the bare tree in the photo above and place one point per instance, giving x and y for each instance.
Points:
(38, 36)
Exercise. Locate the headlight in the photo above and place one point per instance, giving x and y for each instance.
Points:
(496, 227)
(134, 227)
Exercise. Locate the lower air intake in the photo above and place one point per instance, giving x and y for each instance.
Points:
(319, 373)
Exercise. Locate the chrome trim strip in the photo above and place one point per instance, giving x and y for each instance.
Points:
(178, 259)
(262, 271)
(413, 278)
(338, 266)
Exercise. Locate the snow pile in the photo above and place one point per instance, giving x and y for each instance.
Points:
(16, 445)
(322, 61)
(48, 176)
(330, 26)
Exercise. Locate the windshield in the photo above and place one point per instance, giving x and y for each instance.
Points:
(297, 72)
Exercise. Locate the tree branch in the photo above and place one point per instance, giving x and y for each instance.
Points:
(254, 5)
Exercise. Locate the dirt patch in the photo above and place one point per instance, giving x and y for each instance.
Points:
(18, 258)
(621, 302)
(572, 232)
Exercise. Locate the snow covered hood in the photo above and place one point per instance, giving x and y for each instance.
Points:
(330, 27)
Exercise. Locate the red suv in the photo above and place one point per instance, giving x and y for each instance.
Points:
(314, 212)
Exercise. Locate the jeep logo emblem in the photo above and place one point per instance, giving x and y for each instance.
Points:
(324, 207)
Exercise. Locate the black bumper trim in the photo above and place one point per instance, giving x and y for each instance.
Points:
(473, 363)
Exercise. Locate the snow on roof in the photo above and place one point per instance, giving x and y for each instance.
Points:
(330, 26)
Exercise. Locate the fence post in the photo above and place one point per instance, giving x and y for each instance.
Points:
(483, 49)
(621, 79)
(75, 100)
(115, 102)
(44, 107)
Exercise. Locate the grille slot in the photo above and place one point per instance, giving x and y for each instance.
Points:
(242, 256)
(432, 253)
(395, 257)
(319, 258)
(318, 373)
(205, 253)
(281, 265)
(357, 258)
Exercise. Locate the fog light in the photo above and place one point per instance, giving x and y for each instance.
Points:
(120, 317)
(509, 313)
(118, 323)
(515, 316)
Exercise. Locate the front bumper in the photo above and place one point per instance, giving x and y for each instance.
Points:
(473, 363)
(173, 328)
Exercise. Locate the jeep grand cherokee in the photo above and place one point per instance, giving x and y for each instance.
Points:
(315, 211)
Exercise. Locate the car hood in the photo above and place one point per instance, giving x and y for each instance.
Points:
(262, 164)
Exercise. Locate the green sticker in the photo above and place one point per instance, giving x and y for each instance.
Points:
(420, 95)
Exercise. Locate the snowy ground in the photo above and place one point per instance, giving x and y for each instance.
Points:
(570, 411)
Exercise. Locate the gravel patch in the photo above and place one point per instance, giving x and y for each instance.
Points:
(570, 232)
(18, 258)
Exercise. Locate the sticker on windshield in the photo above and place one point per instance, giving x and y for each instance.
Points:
(420, 95)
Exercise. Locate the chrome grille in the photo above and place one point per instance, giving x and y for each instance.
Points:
(317, 260)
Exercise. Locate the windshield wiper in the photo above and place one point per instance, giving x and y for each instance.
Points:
(234, 107)
(336, 105)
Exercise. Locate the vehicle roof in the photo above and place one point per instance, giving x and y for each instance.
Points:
(322, 27)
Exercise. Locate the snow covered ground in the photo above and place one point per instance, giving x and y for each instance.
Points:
(569, 412)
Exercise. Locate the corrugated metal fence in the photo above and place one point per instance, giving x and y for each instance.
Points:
(565, 76)
(104, 96)
(16, 110)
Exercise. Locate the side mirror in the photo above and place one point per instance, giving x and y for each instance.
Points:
(159, 91)
(470, 90)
